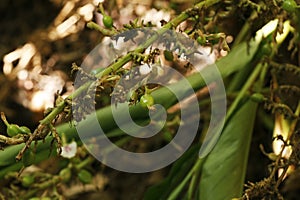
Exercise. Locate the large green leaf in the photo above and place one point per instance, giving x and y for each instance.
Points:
(178, 171)
(224, 169)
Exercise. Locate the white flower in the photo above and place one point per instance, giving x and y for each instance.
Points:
(145, 69)
(69, 150)
(155, 16)
(182, 57)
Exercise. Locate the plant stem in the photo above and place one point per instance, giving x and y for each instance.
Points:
(162, 96)
(122, 61)
(104, 31)
(4, 119)
(85, 162)
(179, 188)
(51, 116)
(193, 184)
(244, 89)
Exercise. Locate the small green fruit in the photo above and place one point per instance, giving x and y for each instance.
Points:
(107, 21)
(257, 97)
(201, 40)
(289, 5)
(27, 181)
(25, 130)
(147, 100)
(85, 176)
(65, 174)
(168, 55)
(13, 130)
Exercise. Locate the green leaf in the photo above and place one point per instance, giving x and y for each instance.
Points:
(40, 156)
(178, 171)
(224, 169)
